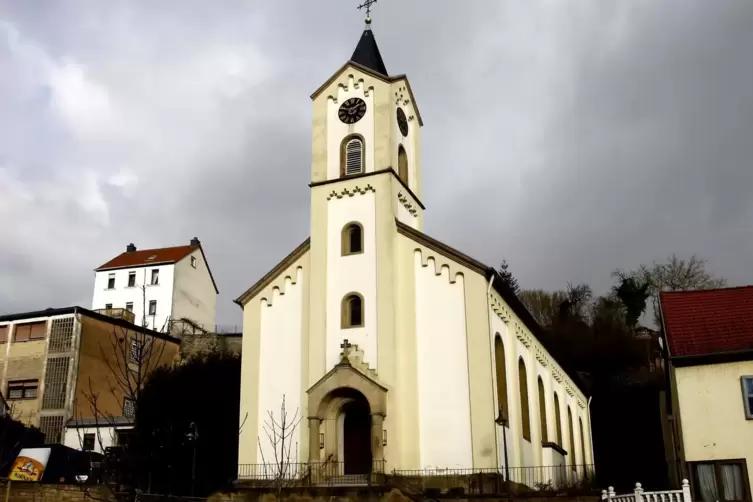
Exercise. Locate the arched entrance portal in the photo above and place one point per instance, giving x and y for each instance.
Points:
(355, 436)
(346, 421)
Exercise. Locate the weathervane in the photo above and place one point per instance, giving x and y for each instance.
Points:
(367, 4)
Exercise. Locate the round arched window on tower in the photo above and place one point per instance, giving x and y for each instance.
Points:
(402, 164)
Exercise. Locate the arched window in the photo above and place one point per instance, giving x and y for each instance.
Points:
(501, 370)
(352, 311)
(402, 164)
(574, 456)
(558, 419)
(351, 156)
(542, 412)
(582, 441)
(524, 411)
(352, 239)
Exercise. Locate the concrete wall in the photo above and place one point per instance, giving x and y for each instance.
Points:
(442, 367)
(122, 294)
(712, 413)
(26, 360)
(194, 296)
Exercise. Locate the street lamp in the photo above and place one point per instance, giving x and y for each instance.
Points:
(501, 420)
(193, 436)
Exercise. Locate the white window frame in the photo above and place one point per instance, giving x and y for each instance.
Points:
(108, 306)
(152, 302)
(154, 280)
(110, 277)
(129, 307)
(747, 396)
(131, 275)
(193, 261)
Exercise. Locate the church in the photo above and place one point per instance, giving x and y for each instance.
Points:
(391, 349)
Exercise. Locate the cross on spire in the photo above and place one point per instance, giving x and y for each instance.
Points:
(367, 4)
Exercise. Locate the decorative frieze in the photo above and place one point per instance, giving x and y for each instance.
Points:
(557, 375)
(499, 308)
(279, 286)
(406, 202)
(356, 190)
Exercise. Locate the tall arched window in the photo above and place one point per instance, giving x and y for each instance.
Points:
(558, 419)
(524, 410)
(582, 441)
(501, 370)
(352, 239)
(402, 164)
(352, 311)
(542, 412)
(572, 448)
(351, 156)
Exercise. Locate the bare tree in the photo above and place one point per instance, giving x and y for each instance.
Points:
(543, 305)
(280, 432)
(129, 356)
(676, 274)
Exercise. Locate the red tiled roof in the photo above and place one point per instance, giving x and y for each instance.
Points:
(708, 322)
(141, 258)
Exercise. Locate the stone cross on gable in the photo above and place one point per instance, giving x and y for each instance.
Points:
(346, 345)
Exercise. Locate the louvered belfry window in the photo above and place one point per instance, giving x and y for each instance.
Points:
(354, 157)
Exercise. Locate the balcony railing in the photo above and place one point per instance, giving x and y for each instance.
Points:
(124, 314)
(638, 495)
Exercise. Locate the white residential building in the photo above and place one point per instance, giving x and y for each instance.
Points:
(158, 286)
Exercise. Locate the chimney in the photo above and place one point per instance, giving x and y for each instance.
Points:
(130, 248)
(195, 241)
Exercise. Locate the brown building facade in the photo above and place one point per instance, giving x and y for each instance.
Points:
(69, 365)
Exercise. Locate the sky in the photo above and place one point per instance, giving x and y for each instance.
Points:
(570, 138)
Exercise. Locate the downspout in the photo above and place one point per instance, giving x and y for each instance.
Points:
(491, 352)
(591, 430)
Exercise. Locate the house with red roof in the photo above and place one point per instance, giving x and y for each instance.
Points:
(709, 418)
(158, 288)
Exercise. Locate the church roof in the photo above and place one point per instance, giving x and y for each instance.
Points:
(367, 53)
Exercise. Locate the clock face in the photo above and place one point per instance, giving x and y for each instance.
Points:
(402, 122)
(352, 110)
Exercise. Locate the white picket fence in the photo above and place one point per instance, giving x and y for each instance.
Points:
(638, 495)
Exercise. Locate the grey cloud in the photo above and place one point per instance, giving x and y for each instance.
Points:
(571, 139)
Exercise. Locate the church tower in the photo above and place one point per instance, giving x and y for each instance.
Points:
(365, 176)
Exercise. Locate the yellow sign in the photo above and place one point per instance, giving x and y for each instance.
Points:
(30, 464)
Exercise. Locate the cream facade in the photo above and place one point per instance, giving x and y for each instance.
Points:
(383, 339)
(714, 425)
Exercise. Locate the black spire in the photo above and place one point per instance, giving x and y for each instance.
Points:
(367, 53)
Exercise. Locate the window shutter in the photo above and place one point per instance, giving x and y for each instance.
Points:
(354, 157)
(21, 333)
(38, 330)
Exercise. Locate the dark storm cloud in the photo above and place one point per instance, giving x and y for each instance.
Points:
(571, 138)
